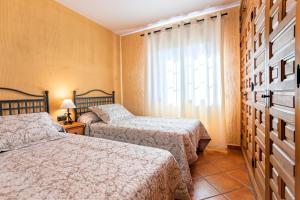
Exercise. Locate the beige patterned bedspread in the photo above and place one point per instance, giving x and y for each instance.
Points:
(179, 136)
(80, 167)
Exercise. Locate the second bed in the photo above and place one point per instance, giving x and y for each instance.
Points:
(181, 137)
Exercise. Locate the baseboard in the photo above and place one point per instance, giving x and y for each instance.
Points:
(232, 146)
(252, 179)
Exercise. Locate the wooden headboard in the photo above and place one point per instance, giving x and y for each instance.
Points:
(85, 100)
(31, 103)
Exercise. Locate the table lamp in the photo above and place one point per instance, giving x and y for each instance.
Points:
(68, 104)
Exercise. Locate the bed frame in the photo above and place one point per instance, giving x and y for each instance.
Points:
(31, 104)
(84, 101)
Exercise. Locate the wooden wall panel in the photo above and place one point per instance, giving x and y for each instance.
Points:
(44, 45)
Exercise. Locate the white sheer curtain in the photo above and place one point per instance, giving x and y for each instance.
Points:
(184, 75)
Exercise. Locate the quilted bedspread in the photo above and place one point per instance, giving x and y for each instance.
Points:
(80, 167)
(181, 137)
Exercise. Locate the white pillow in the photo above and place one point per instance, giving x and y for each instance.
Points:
(89, 118)
(111, 113)
(22, 130)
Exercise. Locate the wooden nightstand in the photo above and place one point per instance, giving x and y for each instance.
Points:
(75, 128)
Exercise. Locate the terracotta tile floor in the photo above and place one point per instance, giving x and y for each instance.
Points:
(221, 175)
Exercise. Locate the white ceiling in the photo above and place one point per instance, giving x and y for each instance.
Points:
(123, 16)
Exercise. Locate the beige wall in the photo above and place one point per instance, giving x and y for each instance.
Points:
(133, 72)
(134, 62)
(44, 45)
(231, 53)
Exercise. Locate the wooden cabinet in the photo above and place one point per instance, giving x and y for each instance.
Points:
(269, 58)
(259, 90)
(75, 128)
(247, 78)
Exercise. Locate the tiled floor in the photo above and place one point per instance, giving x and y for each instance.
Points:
(221, 175)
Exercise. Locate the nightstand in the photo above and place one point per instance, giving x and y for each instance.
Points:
(75, 128)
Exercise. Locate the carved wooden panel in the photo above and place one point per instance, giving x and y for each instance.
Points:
(268, 66)
(259, 90)
(282, 85)
(247, 79)
(247, 63)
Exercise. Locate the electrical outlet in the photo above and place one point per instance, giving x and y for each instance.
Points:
(61, 118)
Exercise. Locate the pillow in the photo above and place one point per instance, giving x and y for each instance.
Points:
(17, 131)
(111, 113)
(89, 118)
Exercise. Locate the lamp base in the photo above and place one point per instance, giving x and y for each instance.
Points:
(69, 119)
(68, 122)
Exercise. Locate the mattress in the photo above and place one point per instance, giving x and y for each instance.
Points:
(80, 167)
(181, 137)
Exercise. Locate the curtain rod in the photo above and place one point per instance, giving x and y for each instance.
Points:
(188, 23)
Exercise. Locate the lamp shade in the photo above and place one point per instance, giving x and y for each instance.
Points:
(67, 103)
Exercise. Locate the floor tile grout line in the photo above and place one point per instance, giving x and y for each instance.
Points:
(223, 194)
(220, 191)
(225, 171)
(212, 196)
(245, 185)
(226, 197)
(219, 172)
(210, 162)
(224, 157)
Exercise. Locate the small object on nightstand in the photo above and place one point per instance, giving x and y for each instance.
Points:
(67, 104)
(75, 128)
(61, 118)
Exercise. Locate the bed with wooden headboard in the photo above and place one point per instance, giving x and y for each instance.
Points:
(24, 103)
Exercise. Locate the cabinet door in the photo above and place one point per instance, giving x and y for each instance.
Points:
(249, 85)
(297, 188)
(282, 87)
(247, 79)
(244, 98)
(259, 82)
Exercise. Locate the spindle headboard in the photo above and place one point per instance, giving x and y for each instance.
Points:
(28, 103)
(85, 100)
